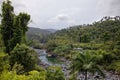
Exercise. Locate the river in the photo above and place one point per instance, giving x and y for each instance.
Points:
(46, 63)
(43, 57)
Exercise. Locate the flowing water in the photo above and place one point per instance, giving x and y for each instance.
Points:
(52, 62)
(43, 56)
(49, 62)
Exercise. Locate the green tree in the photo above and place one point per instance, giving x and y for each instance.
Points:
(85, 63)
(25, 56)
(13, 28)
(23, 22)
(7, 24)
(17, 33)
(20, 28)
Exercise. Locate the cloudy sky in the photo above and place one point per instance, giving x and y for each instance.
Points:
(58, 14)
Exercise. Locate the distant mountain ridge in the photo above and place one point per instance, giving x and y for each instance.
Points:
(39, 34)
(38, 30)
(51, 30)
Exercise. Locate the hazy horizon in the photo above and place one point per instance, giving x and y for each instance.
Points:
(58, 14)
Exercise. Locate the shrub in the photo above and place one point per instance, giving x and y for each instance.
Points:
(23, 55)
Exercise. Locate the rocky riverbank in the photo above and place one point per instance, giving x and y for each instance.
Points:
(66, 68)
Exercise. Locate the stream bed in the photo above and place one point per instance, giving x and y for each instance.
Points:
(46, 62)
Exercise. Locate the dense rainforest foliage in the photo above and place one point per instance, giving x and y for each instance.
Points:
(101, 38)
(17, 60)
(89, 49)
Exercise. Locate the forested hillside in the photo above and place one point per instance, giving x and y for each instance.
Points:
(102, 37)
(18, 61)
(38, 34)
(82, 52)
(107, 29)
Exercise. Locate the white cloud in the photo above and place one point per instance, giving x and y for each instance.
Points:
(61, 18)
(61, 21)
(70, 11)
(109, 7)
(62, 13)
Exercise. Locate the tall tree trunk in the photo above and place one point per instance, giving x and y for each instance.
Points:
(86, 75)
